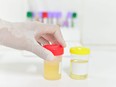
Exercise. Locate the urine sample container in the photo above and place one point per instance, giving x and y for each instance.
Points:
(52, 69)
(79, 62)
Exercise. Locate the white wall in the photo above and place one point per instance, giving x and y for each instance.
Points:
(99, 22)
(53, 5)
(13, 10)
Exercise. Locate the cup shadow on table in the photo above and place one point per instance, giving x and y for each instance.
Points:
(30, 68)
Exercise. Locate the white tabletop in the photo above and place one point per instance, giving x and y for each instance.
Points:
(17, 70)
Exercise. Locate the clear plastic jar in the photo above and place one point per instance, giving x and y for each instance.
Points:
(79, 62)
(52, 69)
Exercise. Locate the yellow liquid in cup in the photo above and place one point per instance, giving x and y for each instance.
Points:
(52, 70)
(76, 76)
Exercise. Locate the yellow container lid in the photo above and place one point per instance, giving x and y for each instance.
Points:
(80, 50)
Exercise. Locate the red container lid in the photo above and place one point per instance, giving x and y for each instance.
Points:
(45, 15)
(55, 49)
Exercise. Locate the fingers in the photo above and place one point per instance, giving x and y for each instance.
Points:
(53, 30)
(42, 41)
(44, 28)
(59, 38)
(50, 38)
(42, 52)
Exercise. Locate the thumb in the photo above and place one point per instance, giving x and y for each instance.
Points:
(42, 52)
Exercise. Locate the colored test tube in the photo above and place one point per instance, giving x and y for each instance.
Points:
(74, 15)
(30, 15)
(69, 19)
(45, 17)
(50, 17)
(74, 21)
(56, 18)
(40, 16)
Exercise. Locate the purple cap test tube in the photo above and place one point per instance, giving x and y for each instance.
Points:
(68, 21)
(69, 15)
(40, 14)
(50, 14)
(58, 14)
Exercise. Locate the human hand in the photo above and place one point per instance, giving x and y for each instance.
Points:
(31, 36)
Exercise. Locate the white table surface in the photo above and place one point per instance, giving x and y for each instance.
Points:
(17, 70)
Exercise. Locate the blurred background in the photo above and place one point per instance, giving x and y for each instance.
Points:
(96, 18)
(90, 23)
